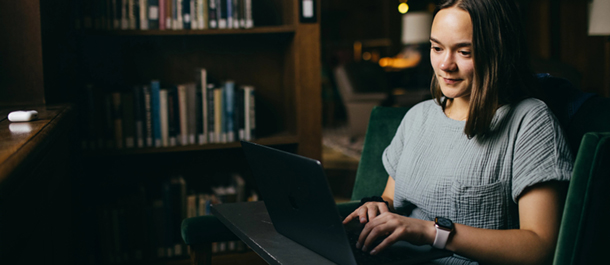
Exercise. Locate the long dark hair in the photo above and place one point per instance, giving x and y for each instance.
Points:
(502, 72)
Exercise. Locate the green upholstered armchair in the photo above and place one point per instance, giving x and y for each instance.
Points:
(577, 112)
(583, 236)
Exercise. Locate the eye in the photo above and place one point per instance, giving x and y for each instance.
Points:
(436, 49)
(465, 53)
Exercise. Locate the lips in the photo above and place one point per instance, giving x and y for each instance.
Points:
(451, 81)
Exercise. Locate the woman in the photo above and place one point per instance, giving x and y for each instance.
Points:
(482, 155)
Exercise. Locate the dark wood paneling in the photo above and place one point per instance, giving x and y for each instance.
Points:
(21, 77)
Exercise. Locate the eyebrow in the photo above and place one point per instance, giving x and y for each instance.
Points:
(459, 45)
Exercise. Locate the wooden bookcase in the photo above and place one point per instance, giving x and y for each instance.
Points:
(46, 61)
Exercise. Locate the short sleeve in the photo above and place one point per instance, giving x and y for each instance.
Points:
(391, 155)
(541, 153)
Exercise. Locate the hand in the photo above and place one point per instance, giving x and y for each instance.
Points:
(367, 212)
(395, 227)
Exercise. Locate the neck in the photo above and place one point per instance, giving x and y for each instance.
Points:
(457, 108)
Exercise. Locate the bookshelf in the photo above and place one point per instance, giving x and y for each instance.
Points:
(49, 62)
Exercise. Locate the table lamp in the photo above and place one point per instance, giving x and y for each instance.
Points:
(599, 25)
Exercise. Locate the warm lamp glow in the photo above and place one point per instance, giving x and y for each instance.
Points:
(599, 20)
(403, 8)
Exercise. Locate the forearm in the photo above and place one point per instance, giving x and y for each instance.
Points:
(516, 246)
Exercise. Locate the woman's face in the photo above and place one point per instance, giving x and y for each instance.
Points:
(451, 52)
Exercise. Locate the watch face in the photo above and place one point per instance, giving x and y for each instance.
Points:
(444, 222)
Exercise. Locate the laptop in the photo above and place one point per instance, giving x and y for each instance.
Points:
(301, 207)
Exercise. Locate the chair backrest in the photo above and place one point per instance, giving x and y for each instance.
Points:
(583, 235)
(371, 175)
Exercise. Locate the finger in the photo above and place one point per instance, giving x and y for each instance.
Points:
(350, 217)
(372, 213)
(375, 233)
(362, 213)
(388, 241)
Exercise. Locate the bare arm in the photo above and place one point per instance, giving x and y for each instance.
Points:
(540, 210)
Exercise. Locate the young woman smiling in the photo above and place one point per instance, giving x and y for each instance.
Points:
(481, 169)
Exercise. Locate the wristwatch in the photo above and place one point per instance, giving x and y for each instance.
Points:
(444, 227)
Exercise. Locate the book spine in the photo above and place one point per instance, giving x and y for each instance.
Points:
(148, 120)
(163, 115)
(138, 108)
(143, 14)
(162, 21)
(248, 14)
(153, 14)
(201, 77)
(218, 115)
(132, 14)
(194, 14)
(169, 12)
(211, 115)
(230, 12)
(155, 88)
(239, 114)
(186, 14)
(109, 128)
(182, 103)
(236, 11)
(249, 109)
(229, 110)
(202, 8)
(124, 14)
(212, 14)
(173, 118)
(192, 112)
(221, 11)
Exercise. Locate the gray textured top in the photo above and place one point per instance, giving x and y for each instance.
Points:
(438, 171)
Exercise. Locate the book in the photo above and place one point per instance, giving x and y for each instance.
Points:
(169, 11)
(240, 114)
(153, 14)
(124, 14)
(218, 113)
(202, 14)
(213, 14)
(194, 14)
(229, 110)
(173, 116)
(186, 14)
(248, 14)
(236, 13)
(143, 14)
(191, 104)
(221, 13)
(109, 132)
(250, 110)
(148, 116)
(155, 105)
(202, 84)
(162, 16)
(183, 112)
(163, 116)
(211, 114)
(138, 110)
(129, 125)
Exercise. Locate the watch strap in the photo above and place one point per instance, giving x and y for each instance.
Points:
(440, 240)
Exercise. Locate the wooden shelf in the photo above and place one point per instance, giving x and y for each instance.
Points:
(279, 139)
(182, 32)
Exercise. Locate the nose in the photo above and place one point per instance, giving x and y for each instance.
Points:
(448, 64)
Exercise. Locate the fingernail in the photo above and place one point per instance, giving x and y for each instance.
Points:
(358, 245)
(364, 248)
(373, 252)
(362, 219)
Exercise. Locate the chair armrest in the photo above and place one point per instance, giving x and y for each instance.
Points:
(345, 208)
(205, 229)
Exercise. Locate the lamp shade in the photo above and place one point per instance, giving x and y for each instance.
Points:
(416, 27)
(599, 18)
